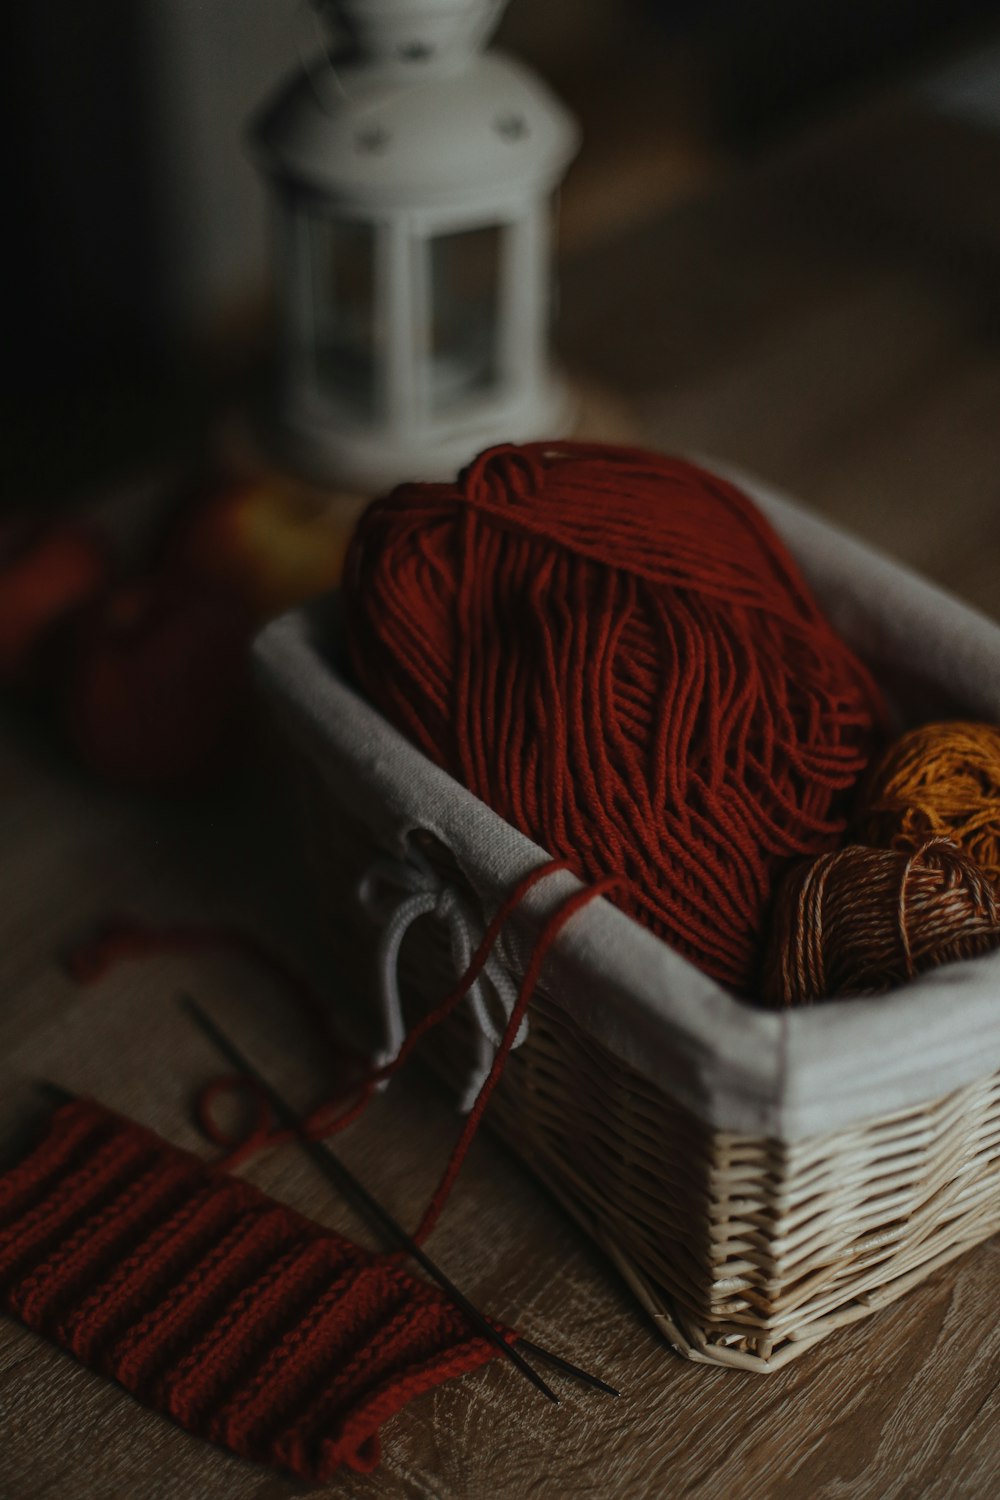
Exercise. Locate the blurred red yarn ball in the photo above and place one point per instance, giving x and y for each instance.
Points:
(45, 574)
(154, 682)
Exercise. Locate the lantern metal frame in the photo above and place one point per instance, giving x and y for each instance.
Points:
(476, 144)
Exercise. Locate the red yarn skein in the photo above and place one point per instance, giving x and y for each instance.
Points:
(614, 650)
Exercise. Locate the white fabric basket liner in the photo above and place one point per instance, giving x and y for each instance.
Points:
(785, 1075)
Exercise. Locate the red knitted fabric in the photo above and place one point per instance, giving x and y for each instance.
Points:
(615, 651)
(240, 1319)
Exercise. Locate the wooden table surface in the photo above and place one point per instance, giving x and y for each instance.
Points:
(831, 319)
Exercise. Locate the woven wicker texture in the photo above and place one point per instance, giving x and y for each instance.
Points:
(745, 1250)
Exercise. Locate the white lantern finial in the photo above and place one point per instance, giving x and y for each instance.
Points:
(413, 185)
(400, 35)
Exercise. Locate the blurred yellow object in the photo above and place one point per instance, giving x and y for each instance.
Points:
(273, 540)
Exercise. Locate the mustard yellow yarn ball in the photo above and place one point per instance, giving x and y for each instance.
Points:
(940, 780)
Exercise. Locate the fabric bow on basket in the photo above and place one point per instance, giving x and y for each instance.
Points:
(398, 892)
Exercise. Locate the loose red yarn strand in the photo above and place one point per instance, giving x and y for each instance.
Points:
(551, 930)
(476, 966)
(124, 939)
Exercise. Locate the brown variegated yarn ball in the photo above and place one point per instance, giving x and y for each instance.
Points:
(860, 921)
(940, 779)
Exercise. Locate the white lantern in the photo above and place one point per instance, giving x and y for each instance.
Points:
(413, 190)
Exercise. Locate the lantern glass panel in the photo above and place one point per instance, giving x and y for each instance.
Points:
(465, 313)
(342, 263)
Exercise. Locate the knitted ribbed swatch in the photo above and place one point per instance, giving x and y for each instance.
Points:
(246, 1323)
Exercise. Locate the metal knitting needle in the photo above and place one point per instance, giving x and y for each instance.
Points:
(558, 1363)
(343, 1178)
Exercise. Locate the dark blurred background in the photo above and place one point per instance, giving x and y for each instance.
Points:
(135, 227)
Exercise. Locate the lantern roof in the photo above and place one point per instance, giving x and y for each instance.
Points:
(366, 139)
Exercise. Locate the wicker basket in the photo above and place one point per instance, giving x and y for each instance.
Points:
(760, 1179)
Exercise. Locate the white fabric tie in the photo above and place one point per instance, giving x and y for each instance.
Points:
(423, 893)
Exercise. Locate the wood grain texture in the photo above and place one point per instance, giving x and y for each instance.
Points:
(830, 321)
